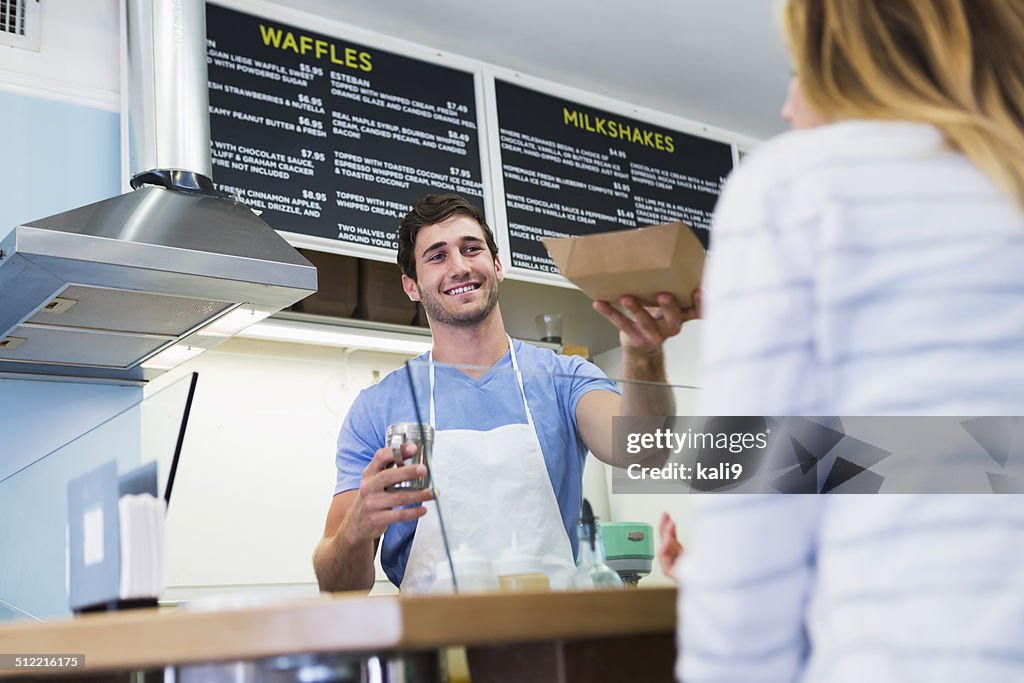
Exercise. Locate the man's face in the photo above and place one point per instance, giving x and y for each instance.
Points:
(797, 111)
(456, 278)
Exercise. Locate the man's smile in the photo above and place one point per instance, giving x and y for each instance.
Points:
(462, 289)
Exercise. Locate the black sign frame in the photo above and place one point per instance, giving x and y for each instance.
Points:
(584, 102)
(345, 45)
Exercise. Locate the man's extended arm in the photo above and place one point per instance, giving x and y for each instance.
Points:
(644, 391)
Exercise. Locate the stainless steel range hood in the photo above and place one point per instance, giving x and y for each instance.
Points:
(125, 288)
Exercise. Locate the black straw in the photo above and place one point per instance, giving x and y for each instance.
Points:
(181, 438)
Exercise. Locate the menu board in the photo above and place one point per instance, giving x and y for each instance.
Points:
(330, 138)
(570, 170)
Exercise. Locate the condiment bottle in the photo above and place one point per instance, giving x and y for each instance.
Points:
(474, 573)
(520, 571)
(591, 571)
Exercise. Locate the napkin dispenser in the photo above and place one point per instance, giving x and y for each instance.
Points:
(115, 550)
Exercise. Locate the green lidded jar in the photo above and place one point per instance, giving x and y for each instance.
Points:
(628, 548)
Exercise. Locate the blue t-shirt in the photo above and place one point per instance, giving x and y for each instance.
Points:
(554, 385)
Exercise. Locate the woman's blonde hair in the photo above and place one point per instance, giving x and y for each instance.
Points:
(956, 64)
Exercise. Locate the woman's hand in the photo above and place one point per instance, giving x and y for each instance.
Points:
(669, 547)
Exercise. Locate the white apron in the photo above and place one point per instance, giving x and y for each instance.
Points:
(491, 484)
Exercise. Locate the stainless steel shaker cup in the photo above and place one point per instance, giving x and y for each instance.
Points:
(411, 432)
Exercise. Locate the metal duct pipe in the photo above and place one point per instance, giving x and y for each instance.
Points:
(168, 102)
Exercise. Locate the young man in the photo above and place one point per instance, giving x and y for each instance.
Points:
(509, 446)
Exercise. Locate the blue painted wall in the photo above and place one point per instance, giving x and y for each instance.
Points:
(56, 156)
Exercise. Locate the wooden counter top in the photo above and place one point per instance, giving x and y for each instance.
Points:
(342, 622)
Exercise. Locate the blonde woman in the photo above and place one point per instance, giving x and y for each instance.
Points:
(870, 263)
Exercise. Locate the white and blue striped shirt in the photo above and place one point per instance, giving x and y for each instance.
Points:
(862, 268)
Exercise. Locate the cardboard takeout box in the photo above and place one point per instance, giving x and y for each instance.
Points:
(642, 261)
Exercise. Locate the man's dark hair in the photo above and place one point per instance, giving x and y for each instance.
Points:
(432, 209)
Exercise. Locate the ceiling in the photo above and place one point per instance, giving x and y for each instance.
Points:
(717, 62)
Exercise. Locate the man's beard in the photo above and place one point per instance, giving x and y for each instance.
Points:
(437, 312)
